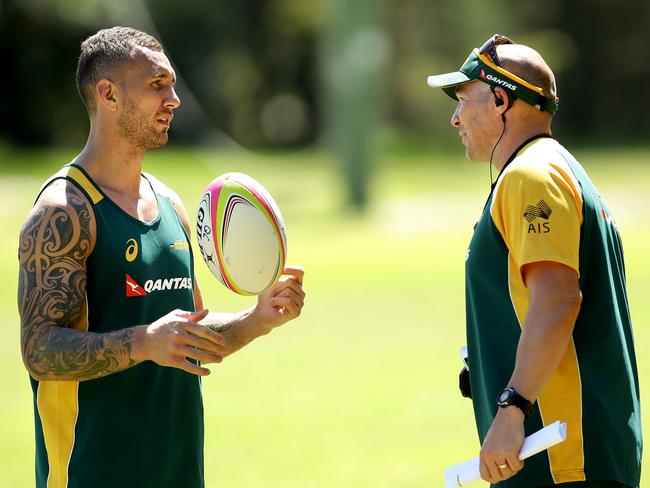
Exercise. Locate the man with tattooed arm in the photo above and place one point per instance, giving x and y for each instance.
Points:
(113, 329)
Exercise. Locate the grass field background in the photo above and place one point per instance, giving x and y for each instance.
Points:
(361, 391)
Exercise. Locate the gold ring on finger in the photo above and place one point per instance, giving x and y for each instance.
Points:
(502, 466)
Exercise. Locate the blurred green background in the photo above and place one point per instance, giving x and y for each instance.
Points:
(325, 103)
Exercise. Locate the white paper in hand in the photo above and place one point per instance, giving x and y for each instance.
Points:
(464, 473)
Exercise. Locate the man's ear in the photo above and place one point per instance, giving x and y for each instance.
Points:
(105, 91)
(502, 100)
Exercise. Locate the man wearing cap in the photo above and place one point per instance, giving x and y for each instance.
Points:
(548, 323)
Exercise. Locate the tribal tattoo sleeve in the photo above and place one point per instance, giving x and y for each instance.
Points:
(55, 242)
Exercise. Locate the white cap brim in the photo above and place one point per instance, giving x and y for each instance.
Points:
(447, 80)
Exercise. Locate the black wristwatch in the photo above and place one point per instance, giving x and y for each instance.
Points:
(509, 396)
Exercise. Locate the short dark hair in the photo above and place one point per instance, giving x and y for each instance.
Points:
(103, 53)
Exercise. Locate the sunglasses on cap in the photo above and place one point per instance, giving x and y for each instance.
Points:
(489, 47)
(484, 65)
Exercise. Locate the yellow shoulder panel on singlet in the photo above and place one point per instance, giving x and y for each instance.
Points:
(80, 178)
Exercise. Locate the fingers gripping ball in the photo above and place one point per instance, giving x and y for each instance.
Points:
(241, 234)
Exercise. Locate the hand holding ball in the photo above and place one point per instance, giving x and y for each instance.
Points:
(241, 234)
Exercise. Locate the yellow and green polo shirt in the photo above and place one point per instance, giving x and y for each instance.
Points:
(544, 207)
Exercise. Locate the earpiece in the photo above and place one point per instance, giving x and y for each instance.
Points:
(498, 101)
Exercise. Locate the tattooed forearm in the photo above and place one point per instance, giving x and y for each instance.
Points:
(238, 329)
(218, 322)
(66, 354)
(55, 242)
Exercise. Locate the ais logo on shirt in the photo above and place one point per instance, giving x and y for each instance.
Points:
(540, 211)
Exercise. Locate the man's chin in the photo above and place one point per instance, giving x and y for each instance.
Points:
(158, 142)
(468, 150)
(474, 157)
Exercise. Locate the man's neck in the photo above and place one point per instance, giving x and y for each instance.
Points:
(513, 138)
(111, 162)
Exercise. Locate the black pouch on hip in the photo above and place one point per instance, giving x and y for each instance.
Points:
(464, 384)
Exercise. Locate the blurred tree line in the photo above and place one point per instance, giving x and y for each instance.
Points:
(262, 72)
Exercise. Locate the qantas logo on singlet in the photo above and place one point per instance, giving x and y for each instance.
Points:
(133, 289)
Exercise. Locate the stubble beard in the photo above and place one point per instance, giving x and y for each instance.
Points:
(470, 152)
(136, 127)
(477, 152)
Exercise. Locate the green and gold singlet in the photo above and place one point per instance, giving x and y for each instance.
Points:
(142, 427)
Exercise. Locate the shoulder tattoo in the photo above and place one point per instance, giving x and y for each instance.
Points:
(55, 242)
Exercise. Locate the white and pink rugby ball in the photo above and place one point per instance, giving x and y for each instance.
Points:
(241, 234)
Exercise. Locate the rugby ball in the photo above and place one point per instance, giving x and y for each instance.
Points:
(241, 234)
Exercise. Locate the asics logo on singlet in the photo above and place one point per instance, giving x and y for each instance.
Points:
(131, 250)
(498, 81)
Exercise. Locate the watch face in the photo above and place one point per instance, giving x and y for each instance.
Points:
(504, 396)
(509, 396)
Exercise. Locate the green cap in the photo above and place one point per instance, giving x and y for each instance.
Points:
(479, 67)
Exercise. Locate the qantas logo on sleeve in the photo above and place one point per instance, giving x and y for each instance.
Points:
(133, 289)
